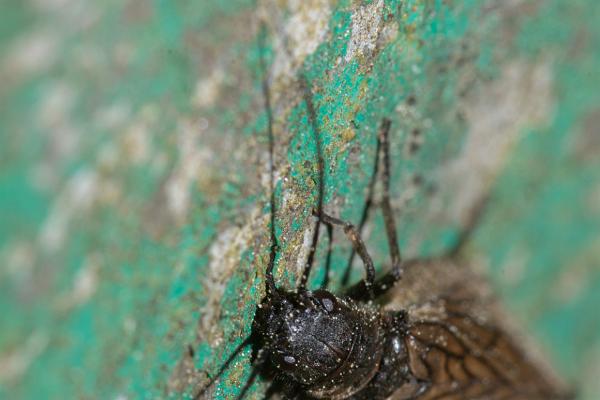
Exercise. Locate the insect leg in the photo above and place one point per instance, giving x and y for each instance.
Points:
(258, 362)
(387, 281)
(386, 206)
(248, 383)
(472, 222)
(358, 245)
(233, 355)
(365, 212)
(382, 285)
(271, 390)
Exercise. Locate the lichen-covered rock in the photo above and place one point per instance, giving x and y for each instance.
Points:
(134, 172)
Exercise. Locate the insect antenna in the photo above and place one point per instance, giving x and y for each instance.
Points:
(305, 86)
(318, 211)
(271, 289)
(270, 281)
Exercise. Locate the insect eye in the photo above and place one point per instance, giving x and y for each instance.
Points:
(286, 362)
(326, 300)
(289, 360)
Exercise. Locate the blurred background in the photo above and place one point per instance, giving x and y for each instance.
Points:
(133, 172)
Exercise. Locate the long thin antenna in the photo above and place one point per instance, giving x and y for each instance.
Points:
(321, 184)
(271, 289)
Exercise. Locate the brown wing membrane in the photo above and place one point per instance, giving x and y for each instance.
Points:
(462, 359)
(459, 342)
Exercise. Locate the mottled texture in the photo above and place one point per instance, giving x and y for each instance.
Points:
(133, 172)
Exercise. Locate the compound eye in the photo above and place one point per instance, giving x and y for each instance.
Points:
(290, 360)
(327, 300)
(286, 362)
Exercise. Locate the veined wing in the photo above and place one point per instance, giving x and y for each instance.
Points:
(460, 345)
(460, 358)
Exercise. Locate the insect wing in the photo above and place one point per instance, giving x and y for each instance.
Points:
(462, 359)
(457, 344)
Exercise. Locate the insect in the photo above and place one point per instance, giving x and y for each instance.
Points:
(440, 338)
